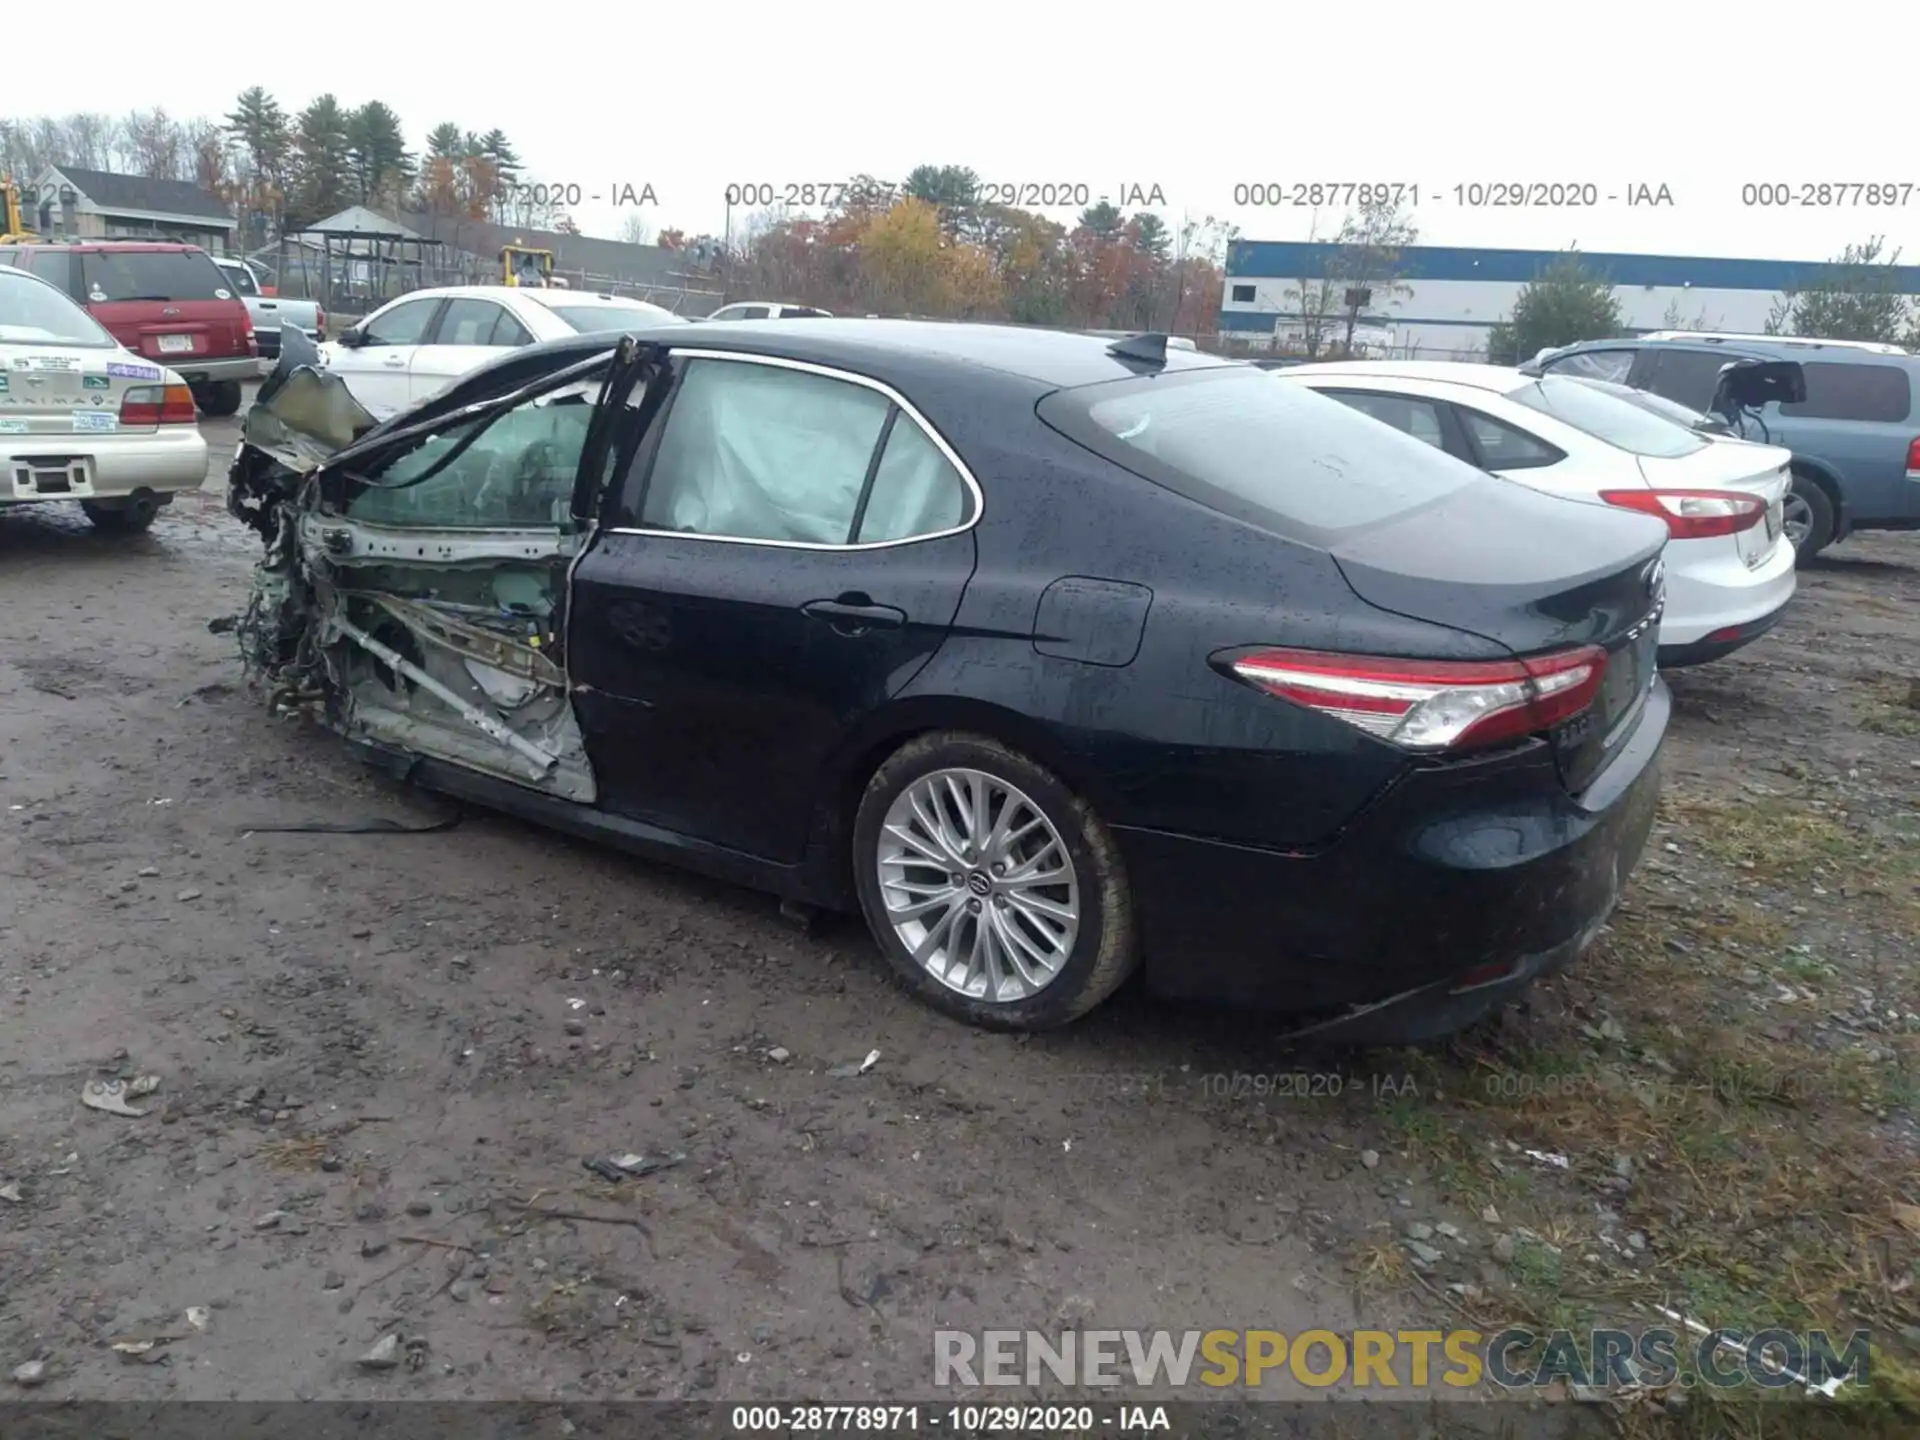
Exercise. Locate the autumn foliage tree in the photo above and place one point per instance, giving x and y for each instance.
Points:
(933, 248)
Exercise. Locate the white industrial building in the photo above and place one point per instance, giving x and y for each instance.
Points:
(1451, 297)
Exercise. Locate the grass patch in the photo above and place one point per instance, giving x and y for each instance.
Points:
(1777, 838)
(1713, 1111)
(1890, 708)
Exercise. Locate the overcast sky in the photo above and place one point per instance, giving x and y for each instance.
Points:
(1193, 99)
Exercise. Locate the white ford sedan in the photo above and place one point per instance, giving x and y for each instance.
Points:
(411, 347)
(1730, 572)
(84, 419)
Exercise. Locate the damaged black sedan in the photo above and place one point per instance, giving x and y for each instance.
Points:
(1055, 657)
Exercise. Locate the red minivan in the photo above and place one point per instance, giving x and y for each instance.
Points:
(170, 303)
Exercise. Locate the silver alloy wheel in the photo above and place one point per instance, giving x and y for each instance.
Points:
(1796, 518)
(978, 885)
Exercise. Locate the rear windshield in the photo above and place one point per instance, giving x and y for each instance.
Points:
(596, 319)
(34, 313)
(153, 275)
(1262, 449)
(1619, 423)
(242, 278)
(1658, 404)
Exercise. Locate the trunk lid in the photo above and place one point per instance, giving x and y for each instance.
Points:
(48, 390)
(1741, 466)
(169, 306)
(1534, 573)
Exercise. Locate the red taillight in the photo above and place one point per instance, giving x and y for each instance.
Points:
(320, 322)
(1913, 456)
(157, 405)
(1433, 704)
(1694, 514)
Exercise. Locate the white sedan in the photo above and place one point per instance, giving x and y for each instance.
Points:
(83, 418)
(411, 347)
(1730, 573)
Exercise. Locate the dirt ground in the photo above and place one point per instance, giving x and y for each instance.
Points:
(382, 1059)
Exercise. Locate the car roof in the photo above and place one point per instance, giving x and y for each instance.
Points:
(1782, 347)
(1054, 358)
(446, 292)
(896, 351)
(1497, 378)
(116, 246)
(550, 298)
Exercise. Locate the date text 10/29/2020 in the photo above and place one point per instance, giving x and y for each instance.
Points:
(1468, 195)
(1245, 1085)
(1011, 194)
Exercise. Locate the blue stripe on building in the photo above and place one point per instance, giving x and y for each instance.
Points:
(1286, 259)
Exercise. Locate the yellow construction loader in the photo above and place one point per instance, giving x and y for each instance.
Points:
(13, 217)
(525, 266)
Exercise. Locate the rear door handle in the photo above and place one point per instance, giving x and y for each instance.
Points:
(854, 615)
(396, 361)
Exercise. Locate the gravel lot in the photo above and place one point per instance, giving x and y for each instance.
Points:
(383, 1057)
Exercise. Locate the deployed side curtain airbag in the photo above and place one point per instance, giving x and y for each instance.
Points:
(765, 453)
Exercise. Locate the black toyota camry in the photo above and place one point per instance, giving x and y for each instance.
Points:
(1055, 656)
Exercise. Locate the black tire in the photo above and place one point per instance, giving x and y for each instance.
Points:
(1811, 493)
(221, 398)
(131, 518)
(1105, 949)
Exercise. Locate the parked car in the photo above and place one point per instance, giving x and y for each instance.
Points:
(83, 418)
(767, 310)
(1048, 655)
(169, 304)
(409, 348)
(1855, 436)
(270, 312)
(1730, 574)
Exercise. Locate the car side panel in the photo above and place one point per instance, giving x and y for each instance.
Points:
(1133, 738)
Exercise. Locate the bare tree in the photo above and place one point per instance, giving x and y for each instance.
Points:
(1674, 320)
(1369, 257)
(155, 145)
(1316, 298)
(89, 140)
(208, 160)
(634, 229)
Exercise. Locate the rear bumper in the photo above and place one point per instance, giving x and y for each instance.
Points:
(1718, 644)
(1711, 589)
(166, 461)
(197, 372)
(1483, 873)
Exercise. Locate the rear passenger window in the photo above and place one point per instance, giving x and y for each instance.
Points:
(761, 452)
(1418, 418)
(1878, 393)
(509, 331)
(467, 322)
(916, 490)
(1501, 447)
